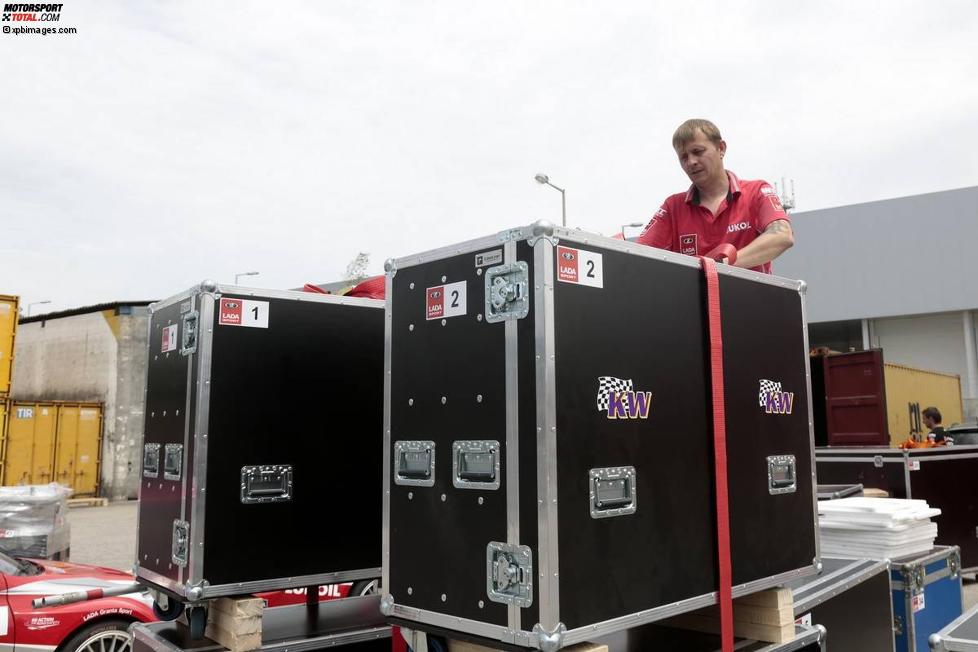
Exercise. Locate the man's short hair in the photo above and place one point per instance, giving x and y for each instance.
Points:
(687, 132)
(933, 413)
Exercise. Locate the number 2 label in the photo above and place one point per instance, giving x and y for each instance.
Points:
(445, 301)
(580, 267)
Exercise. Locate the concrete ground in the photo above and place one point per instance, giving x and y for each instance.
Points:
(106, 536)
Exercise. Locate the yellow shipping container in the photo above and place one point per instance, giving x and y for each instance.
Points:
(4, 408)
(8, 330)
(29, 447)
(909, 391)
(78, 445)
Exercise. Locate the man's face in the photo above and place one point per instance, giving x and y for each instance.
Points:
(928, 422)
(701, 159)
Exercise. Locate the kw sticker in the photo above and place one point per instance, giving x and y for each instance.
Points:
(445, 301)
(773, 399)
(618, 399)
(579, 266)
(243, 312)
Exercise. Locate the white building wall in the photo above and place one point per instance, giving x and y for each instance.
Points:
(97, 356)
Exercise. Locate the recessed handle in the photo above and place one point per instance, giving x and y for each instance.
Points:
(613, 491)
(414, 463)
(782, 477)
(475, 464)
(266, 483)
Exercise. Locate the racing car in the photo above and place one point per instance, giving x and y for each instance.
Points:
(97, 625)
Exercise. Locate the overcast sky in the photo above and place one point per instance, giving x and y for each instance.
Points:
(168, 142)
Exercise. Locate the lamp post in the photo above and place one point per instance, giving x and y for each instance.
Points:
(544, 180)
(36, 303)
(237, 276)
(633, 225)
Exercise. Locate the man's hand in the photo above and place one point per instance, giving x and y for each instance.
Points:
(776, 239)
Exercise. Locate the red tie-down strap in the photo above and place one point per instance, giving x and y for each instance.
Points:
(724, 592)
(372, 288)
(724, 250)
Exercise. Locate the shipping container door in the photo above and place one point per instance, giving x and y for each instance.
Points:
(4, 410)
(855, 400)
(8, 327)
(45, 427)
(66, 445)
(20, 451)
(77, 454)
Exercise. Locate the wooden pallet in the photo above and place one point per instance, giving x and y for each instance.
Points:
(765, 616)
(92, 501)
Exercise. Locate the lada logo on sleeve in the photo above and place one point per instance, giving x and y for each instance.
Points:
(773, 399)
(618, 399)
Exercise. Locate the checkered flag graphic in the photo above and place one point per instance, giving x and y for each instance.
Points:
(767, 386)
(609, 384)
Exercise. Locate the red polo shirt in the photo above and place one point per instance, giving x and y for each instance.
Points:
(682, 225)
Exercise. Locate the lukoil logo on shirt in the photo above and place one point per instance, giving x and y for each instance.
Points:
(739, 226)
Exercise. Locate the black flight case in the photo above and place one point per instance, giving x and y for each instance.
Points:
(262, 443)
(549, 470)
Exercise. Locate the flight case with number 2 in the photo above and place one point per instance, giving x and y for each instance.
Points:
(549, 473)
(262, 436)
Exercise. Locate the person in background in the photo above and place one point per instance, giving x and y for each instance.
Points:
(718, 208)
(932, 421)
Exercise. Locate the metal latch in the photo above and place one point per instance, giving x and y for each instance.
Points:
(613, 491)
(507, 292)
(151, 460)
(475, 464)
(954, 564)
(898, 625)
(509, 574)
(878, 461)
(781, 475)
(189, 343)
(915, 577)
(173, 461)
(181, 542)
(266, 483)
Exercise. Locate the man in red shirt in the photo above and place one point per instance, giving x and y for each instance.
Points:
(718, 208)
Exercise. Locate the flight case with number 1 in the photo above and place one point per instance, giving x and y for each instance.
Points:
(549, 471)
(262, 442)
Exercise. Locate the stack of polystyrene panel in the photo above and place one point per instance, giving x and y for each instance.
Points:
(876, 528)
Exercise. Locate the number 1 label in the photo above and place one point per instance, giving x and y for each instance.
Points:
(243, 312)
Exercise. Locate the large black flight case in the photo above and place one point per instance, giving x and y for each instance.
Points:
(549, 469)
(262, 443)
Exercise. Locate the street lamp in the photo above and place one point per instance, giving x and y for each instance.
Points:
(544, 180)
(36, 303)
(633, 225)
(237, 276)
